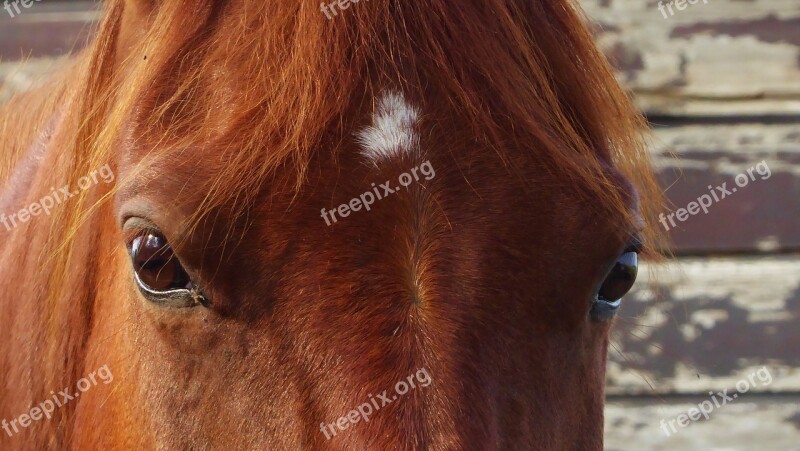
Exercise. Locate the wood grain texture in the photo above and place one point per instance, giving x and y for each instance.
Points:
(763, 216)
(720, 58)
(46, 29)
(750, 422)
(703, 324)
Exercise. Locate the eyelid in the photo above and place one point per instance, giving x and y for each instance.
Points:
(177, 298)
(135, 226)
(635, 245)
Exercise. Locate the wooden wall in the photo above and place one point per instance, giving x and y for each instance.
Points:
(720, 83)
(40, 37)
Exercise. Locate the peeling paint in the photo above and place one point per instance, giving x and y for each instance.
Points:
(713, 320)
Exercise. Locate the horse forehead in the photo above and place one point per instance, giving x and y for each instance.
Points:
(169, 177)
(389, 136)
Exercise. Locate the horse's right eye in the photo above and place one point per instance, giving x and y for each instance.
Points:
(621, 278)
(158, 272)
(155, 263)
(616, 284)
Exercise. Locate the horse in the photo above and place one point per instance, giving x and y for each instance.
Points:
(375, 224)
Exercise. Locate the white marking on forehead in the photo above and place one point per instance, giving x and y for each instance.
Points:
(393, 130)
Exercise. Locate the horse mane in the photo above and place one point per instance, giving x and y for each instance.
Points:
(265, 85)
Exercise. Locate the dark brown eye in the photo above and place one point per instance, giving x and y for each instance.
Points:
(616, 285)
(621, 278)
(156, 267)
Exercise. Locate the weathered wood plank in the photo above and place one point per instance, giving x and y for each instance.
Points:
(716, 57)
(748, 423)
(762, 216)
(47, 29)
(704, 324)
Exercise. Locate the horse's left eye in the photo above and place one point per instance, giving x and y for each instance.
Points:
(158, 272)
(617, 284)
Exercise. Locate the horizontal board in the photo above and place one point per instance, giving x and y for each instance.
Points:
(715, 57)
(46, 29)
(695, 325)
(747, 423)
(762, 216)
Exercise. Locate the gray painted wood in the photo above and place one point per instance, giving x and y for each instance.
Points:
(719, 58)
(47, 28)
(748, 423)
(763, 216)
(704, 324)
